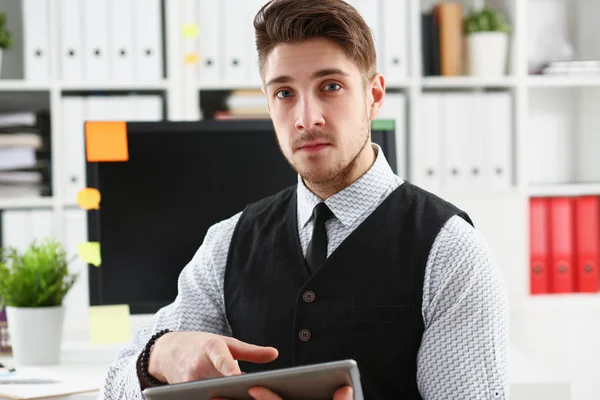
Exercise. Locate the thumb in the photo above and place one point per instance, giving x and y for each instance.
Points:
(344, 393)
(250, 352)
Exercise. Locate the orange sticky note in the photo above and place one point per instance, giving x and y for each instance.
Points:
(89, 199)
(106, 141)
(191, 58)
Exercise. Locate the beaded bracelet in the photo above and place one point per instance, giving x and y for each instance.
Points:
(146, 356)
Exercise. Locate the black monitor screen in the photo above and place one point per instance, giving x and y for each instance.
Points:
(181, 178)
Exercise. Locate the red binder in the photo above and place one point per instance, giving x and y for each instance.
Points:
(587, 243)
(562, 251)
(539, 253)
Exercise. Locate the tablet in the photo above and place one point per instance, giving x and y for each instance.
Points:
(314, 382)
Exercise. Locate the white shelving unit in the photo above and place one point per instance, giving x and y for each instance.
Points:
(502, 215)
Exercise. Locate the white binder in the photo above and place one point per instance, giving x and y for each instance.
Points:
(455, 143)
(395, 40)
(254, 69)
(77, 300)
(476, 135)
(147, 108)
(369, 10)
(498, 131)
(394, 107)
(148, 40)
(74, 139)
(236, 45)
(71, 42)
(121, 47)
(426, 148)
(101, 108)
(95, 40)
(36, 46)
(210, 41)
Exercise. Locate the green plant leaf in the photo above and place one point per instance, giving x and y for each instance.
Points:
(36, 277)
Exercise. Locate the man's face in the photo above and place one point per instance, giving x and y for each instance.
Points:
(320, 108)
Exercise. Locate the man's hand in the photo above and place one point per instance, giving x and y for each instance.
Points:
(261, 393)
(188, 356)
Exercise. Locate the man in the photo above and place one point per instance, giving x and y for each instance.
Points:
(352, 262)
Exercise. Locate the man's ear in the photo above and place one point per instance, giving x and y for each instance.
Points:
(377, 94)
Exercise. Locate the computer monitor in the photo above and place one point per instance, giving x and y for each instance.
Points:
(181, 178)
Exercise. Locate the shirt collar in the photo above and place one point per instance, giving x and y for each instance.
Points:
(354, 200)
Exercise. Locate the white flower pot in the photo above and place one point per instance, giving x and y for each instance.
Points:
(487, 54)
(35, 334)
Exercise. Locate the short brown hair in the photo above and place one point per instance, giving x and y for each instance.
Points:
(293, 21)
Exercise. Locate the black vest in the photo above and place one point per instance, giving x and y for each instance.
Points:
(364, 302)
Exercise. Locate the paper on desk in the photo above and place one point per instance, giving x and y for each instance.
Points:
(25, 391)
(109, 324)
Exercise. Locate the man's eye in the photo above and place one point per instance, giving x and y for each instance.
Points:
(332, 86)
(282, 94)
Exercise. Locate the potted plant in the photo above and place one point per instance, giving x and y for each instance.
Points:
(487, 36)
(6, 39)
(33, 284)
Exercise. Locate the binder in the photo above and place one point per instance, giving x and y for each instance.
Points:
(36, 46)
(236, 47)
(369, 10)
(95, 40)
(456, 147)
(147, 108)
(73, 136)
(587, 243)
(394, 43)
(394, 107)
(498, 134)
(255, 78)
(539, 246)
(210, 43)
(41, 224)
(562, 251)
(148, 40)
(71, 42)
(121, 42)
(426, 147)
(475, 135)
(449, 16)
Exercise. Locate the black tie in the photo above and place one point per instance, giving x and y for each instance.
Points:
(317, 248)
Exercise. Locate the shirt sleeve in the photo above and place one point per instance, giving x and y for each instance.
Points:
(199, 306)
(464, 349)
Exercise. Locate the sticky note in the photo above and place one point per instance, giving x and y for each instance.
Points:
(106, 141)
(90, 252)
(190, 30)
(89, 199)
(109, 324)
(191, 58)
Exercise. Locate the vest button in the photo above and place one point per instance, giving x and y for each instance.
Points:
(304, 335)
(308, 296)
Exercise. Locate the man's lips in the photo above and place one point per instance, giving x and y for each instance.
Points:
(313, 146)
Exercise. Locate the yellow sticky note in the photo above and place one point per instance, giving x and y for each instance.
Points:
(89, 199)
(190, 30)
(191, 58)
(106, 141)
(109, 324)
(90, 252)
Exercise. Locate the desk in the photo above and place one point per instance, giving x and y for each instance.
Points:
(79, 361)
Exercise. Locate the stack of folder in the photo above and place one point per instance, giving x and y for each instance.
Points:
(564, 244)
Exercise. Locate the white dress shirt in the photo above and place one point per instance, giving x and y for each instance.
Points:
(464, 348)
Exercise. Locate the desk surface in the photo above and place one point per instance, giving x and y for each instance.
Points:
(80, 363)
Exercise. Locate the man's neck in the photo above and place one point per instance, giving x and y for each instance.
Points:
(359, 167)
